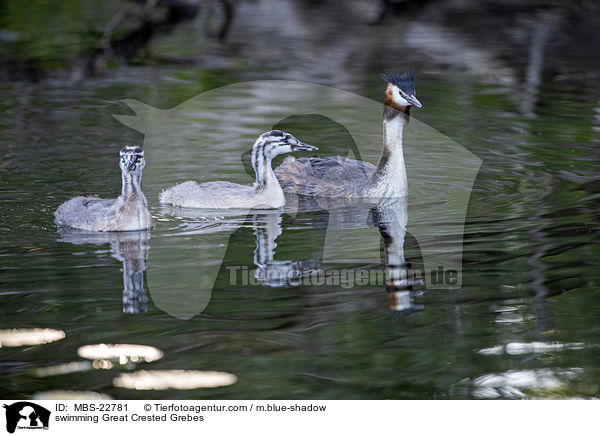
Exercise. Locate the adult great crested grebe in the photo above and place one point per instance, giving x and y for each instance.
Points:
(127, 212)
(342, 177)
(264, 194)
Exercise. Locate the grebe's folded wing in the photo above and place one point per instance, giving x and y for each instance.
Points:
(209, 194)
(81, 212)
(96, 203)
(80, 205)
(315, 176)
(342, 168)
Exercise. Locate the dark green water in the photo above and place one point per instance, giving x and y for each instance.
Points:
(524, 323)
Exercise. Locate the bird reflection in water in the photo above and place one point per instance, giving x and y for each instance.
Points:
(131, 248)
(390, 217)
(270, 272)
(345, 241)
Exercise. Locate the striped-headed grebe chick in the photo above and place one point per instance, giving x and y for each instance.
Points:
(341, 177)
(127, 212)
(264, 194)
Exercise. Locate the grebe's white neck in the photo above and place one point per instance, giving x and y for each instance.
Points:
(131, 183)
(265, 177)
(266, 183)
(390, 179)
(132, 205)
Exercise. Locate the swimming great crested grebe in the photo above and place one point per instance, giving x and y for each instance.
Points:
(127, 212)
(341, 177)
(264, 194)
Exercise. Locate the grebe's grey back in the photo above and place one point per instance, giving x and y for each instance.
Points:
(265, 193)
(342, 177)
(127, 212)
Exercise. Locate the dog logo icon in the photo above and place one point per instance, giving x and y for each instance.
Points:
(26, 415)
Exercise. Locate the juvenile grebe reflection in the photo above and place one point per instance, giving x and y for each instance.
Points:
(270, 272)
(131, 248)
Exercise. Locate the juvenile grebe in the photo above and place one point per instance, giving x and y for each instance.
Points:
(341, 177)
(127, 212)
(264, 194)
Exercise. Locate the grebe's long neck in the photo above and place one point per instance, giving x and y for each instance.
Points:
(266, 182)
(132, 206)
(265, 177)
(390, 176)
(132, 184)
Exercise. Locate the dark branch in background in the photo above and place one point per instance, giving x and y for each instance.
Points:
(155, 17)
(390, 8)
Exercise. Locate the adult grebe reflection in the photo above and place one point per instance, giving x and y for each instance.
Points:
(349, 240)
(391, 218)
(131, 248)
(270, 272)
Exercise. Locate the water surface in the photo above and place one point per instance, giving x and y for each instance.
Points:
(524, 323)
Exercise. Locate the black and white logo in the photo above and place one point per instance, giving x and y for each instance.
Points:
(26, 415)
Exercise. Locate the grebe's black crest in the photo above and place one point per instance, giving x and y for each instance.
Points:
(405, 81)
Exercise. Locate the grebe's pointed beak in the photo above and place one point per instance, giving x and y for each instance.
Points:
(132, 162)
(299, 145)
(413, 100)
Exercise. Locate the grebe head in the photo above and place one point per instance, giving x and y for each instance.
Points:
(277, 142)
(132, 159)
(400, 92)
